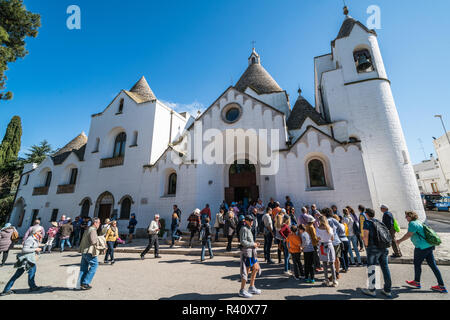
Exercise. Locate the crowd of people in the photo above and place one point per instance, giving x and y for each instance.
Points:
(330, 241)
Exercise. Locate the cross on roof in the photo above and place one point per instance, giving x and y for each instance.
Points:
(253, 44)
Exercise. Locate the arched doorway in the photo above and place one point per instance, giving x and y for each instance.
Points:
(242, 183)
(104, 206)
(18, 213)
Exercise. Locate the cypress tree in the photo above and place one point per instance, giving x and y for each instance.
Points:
(10, 146)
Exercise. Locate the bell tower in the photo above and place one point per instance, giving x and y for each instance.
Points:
(356, 90)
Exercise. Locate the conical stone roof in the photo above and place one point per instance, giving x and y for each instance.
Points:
(301, 111)
(77, 145)
(143, 90)
(257, 78)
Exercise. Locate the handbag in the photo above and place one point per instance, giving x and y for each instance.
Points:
(14, 236)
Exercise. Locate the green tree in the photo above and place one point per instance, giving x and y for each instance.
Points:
(10, 146)
(38, 153)
(16, 23)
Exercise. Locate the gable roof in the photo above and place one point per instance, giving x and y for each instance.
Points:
(301, 111)
(240, 92)
(347, 27)
(258, 79)
(77, 145)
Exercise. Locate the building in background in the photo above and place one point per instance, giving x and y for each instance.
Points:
(430, 177)
(442, 147)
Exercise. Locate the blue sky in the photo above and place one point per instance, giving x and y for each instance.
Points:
(191, 51)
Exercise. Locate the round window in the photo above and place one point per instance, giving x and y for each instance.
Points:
(231, 113)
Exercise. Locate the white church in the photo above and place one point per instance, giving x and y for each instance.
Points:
(345, 148)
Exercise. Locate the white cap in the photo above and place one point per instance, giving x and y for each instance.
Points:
(384, 207)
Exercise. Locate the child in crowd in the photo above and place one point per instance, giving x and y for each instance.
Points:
(294, 245)
(308, 253)
(51, 234)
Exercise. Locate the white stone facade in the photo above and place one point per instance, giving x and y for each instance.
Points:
(353, 130)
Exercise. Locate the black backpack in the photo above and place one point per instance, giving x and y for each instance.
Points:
(382, 236)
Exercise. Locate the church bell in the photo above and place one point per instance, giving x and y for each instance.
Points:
(363, 63)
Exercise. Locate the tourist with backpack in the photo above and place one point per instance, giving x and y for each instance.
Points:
(205, 238)
(424, 240)
(8, 235)
(219, 223)
(194, 224)
(205, 213)
(389, 222)
(377, 240)
(27, 261)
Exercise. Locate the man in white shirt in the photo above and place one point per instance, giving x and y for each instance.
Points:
(153, 231)
(268, 234)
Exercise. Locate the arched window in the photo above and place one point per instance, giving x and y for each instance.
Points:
(48, 179)
(172, 185)
(316, 174)
(125, 209)
(119, 145)
(121, 106)
(97, 145)
(85, 208)
(73, 176)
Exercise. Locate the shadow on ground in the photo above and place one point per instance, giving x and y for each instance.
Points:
(198, 296)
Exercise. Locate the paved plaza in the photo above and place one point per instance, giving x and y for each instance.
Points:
(182, 277)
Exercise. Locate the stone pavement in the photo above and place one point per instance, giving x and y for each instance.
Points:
(181, 277)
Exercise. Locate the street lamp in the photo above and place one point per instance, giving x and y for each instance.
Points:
(443, 126)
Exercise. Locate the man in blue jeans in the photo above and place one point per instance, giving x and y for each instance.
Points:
(375, 256)
(89, 261)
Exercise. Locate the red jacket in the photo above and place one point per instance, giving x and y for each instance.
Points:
(206, 211)
(285, 231)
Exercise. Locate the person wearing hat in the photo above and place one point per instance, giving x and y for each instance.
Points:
(26, 261)
(388, 221)
(6, 241)
(105, 226)
(311, 230)
(153, 240)
(248, 259)
(51, 234)
(36, 224)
